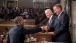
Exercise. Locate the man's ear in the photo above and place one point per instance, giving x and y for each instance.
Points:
(19, 22)
(59, 9)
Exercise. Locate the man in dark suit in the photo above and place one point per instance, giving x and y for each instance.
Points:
(51, 19)
(61, 26)
(49, 14)
(18, 32)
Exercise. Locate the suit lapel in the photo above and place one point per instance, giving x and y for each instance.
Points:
(57, 21)
(51, 21)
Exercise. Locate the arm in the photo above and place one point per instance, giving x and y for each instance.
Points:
(31, 31)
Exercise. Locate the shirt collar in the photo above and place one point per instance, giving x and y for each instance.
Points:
(60, 13)
(51, 17)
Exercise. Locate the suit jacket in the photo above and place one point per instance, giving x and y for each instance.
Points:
(17, 34)
(51, 25)
(61, 28)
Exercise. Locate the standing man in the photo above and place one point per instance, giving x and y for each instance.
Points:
(61, 26)
(51, 19)
(49, 14)
(17, 33)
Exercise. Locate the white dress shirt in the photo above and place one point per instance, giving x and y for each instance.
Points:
(60, 14)
(50, 18)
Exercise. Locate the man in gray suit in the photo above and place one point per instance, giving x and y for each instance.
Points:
(18, 32)
(61, 26)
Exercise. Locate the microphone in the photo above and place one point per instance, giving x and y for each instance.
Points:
(41, 23)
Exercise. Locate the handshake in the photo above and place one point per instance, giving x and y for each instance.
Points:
(45, 28)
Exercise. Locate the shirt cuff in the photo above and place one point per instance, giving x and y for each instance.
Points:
(42, 28)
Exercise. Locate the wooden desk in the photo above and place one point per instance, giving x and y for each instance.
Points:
(39, 36)
(33, 42)
(36, 42)
(48, 42)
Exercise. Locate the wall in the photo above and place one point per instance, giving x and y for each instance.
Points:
(74, 21)
(12, 0)
(74, 12)
(62, 3)
(25, 3)
(39, 0)
(1, 3)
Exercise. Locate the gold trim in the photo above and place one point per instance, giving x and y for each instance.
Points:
(14, 25)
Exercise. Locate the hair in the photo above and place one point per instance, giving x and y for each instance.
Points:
(58, 6)
(48, 10)
(17, 19)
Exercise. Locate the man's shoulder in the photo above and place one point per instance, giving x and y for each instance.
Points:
(64, 14)
(15, 28)
(54, 16)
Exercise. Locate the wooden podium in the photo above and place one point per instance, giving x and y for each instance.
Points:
(39, 36)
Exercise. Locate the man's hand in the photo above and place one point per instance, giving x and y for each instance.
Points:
(52, 33)
(45, 27)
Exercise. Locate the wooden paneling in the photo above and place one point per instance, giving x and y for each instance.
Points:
(39, 36)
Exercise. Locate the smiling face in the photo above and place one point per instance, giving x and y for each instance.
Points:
(48, 13)
(56, 10)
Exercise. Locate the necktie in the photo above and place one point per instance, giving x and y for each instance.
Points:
(49, 21)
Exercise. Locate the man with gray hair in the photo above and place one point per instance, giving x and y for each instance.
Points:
(51, 19)
(18, 32)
